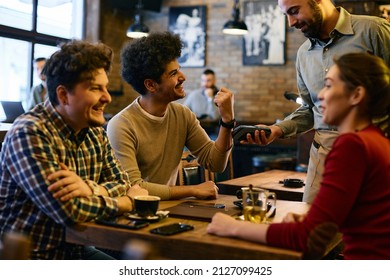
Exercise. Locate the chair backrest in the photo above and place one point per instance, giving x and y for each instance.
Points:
(190, 172)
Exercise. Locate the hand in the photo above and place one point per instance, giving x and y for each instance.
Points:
(209, 92)
(223, 225)
(206, 190)
(225, 102)
(293, 218)
(67, 184)
(261, 139)
(136, 190)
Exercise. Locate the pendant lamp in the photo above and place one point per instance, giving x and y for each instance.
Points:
(235, 26)
(138, 29)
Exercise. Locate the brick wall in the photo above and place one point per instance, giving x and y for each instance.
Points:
(259, 89)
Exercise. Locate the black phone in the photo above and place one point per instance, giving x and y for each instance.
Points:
(123, 223)
(239, 132)
(171, 229)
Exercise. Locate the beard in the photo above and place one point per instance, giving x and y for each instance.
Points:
(314, 28)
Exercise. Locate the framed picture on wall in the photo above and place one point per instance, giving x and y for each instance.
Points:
(266, 40)
(190, 23)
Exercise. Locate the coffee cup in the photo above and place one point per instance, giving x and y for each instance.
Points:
(146, 205)
(258, 204)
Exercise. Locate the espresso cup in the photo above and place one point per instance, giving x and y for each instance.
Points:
(258, 204)
(146, 205)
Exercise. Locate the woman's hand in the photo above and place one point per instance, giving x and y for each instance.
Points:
(223, 225)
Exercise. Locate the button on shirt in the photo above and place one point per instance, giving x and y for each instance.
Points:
(353, 33)
(37, 142)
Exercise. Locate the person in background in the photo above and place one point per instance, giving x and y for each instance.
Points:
(149, 135)
(330, 31)
(57, 167)
(38, 92)
(201, 101)
(354, 197)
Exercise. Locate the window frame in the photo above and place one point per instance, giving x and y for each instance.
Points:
(34, 37)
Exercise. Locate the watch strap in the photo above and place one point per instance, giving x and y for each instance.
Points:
(228, 125)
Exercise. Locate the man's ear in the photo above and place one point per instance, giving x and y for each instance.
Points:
(150, 85)
(62, 95)
(358, 95)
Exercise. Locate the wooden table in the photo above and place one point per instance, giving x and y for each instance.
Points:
(195, 244)
(267, 180)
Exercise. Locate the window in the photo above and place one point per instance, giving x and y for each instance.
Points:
(30, 29)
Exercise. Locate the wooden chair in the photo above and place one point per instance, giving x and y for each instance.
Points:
(16, 246)
(191, 173)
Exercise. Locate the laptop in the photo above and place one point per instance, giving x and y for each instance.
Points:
(12, 110)
(202, 211)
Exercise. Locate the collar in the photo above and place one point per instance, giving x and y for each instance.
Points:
(150, 116)
(63, 128)
(343, 27)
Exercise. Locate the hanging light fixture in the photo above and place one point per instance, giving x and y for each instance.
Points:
(235, 26)
(138, 29)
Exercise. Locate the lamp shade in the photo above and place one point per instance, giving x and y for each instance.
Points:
(235, 26)
(137, 30)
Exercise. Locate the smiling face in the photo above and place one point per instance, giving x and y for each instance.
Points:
(170, 87)
(304, 15)
(336, 99)
(84, 105)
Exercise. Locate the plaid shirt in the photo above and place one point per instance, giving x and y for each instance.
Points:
(33, 148)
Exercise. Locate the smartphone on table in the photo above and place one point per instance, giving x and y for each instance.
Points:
(123, 223)
(172, 229)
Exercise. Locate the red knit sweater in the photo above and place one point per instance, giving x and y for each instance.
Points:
(354, 194)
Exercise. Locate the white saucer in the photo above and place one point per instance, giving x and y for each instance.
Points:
(159, 215)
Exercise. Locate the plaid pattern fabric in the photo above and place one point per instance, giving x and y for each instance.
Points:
(33, 148)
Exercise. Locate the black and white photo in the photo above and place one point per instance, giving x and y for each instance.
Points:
(265, 42)
(190, 23)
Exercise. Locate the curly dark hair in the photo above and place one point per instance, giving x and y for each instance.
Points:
(371, 72)
(147, 58)
(75, 62)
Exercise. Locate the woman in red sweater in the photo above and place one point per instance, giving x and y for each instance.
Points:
(354, 198)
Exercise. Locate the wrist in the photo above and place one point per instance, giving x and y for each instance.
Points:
(94, 187)
(230, 125)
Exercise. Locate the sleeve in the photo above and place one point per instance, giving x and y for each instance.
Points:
(32, 158)
(382, 41)
(301, 119)
(336, 197)
(200, 144)
(112, 176)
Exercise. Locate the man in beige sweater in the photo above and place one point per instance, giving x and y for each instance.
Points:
(149, 135)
